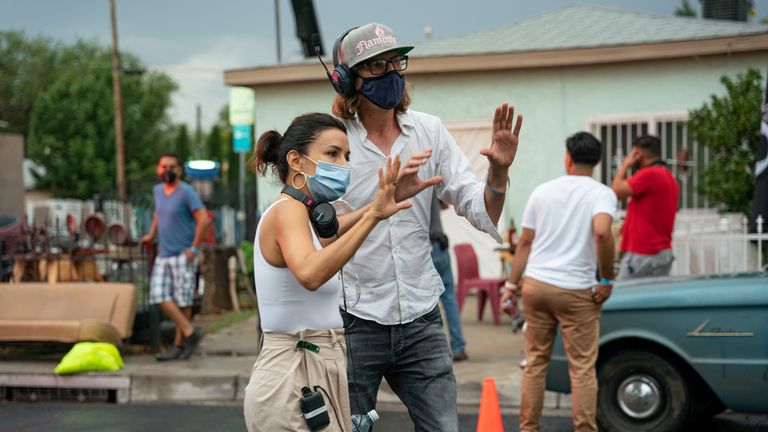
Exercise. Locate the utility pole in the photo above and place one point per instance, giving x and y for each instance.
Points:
(118, 97)
(277, 30)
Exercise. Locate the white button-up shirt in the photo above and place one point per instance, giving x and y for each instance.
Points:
(391, 278)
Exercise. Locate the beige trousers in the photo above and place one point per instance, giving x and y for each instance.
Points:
(546, 306)
(274, 390)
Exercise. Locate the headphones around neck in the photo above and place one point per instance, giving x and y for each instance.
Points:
(342, 78)
(321, 214)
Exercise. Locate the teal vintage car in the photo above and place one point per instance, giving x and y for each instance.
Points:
(672, 350)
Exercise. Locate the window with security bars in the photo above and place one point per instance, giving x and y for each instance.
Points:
(686, 158)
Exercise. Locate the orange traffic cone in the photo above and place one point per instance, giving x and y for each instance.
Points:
(489, 418)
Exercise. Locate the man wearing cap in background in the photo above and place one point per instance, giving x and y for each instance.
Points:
(179, 222)
(391, 288)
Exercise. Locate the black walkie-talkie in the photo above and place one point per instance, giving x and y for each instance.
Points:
(314, 409)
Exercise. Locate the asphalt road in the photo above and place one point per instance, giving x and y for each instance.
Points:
(72, 417)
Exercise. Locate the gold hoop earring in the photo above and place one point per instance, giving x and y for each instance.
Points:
(293, 180)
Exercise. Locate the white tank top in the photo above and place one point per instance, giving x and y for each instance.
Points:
(284, 305)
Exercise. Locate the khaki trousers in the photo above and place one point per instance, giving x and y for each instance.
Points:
(274, 390)
(546, 306)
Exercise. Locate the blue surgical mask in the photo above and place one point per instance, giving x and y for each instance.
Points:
(329, 182)
(385, 91)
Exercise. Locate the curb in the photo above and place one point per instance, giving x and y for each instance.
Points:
(189, 387)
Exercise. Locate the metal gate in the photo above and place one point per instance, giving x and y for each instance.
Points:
(685, 156)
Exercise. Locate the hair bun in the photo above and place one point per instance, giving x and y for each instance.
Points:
(267, 151)
(271, 140)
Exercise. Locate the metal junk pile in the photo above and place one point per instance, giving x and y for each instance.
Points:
(87, 250)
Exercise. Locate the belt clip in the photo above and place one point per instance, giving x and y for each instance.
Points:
(302, 344)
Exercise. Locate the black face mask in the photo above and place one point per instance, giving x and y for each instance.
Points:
(385, 91)
(168, 177)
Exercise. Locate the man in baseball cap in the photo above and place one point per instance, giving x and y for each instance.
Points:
(372, 47)
(391, 288)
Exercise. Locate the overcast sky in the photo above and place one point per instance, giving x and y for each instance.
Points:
(195, 41)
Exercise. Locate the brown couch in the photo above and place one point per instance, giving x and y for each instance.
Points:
(67, 312)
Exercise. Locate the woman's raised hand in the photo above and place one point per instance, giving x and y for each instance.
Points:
(384, 204)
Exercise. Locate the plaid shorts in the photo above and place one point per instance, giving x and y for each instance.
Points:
(173, 279)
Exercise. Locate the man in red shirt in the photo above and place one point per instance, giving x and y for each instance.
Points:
(646, 242)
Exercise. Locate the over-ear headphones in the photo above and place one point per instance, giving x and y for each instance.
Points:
(321, 214)
(342, 78)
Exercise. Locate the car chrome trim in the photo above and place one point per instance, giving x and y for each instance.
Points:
(698, 332)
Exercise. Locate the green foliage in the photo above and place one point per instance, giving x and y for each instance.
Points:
(70, 130)
(70, 135)
(227, 155)
(27, 66)
(146, 99)
(218, 147)
(182, 143)
(685, 10)
(729, 126)
(214, 146)
(247, 248)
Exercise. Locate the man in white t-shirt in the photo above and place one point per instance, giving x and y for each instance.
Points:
(566, 238)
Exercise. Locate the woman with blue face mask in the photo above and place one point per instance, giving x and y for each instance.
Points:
(299, 379)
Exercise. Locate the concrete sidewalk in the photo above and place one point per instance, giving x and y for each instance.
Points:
(219, 372)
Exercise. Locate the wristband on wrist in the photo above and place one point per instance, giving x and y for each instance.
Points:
(194, 250)
(494, 191)
(510, 286)
(605, 281)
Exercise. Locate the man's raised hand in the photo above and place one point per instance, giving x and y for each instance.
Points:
(408, 182)
(504, 142)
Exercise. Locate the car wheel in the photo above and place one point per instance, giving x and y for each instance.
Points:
(641, 391)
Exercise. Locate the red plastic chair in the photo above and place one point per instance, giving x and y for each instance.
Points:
(469, 277)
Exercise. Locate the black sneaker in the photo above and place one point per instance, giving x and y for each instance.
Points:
(172, 354)
(191, 344)
(460, 356)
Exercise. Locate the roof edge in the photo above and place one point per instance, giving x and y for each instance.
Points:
(312, 72)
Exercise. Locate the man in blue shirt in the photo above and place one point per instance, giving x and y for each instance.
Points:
(179, 222)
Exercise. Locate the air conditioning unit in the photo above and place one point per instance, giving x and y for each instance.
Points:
(730, 10)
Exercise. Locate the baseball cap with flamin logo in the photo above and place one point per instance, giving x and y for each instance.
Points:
(368, 41)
